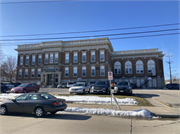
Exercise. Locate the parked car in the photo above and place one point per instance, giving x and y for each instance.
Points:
(172, 86)
(100, 87)
(16, 84)
(37, 103)
(79, 87)
(123, 87)
(4, 88)
(70, 84)
(25, 88)
(9, 85)
(62, 85)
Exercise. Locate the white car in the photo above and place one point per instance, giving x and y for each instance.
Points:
(79, 87)
(70, 84)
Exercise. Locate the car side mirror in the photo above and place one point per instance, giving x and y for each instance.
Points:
(13, 100)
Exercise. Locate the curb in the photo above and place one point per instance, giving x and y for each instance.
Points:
(165, 115)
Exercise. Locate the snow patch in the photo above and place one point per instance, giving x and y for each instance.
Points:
(97, 100)
(8, 96)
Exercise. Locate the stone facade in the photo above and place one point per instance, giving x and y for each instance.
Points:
(50, 63)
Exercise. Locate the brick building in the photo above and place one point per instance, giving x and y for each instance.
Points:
(49, 63)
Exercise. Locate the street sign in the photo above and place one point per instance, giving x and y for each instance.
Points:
(110, 75)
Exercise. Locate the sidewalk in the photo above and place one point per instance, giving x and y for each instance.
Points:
(163, 112)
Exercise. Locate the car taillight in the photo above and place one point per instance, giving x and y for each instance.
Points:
(64, 102)
(56, 103)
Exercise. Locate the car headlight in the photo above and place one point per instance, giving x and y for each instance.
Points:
(92, 87)
(115, 88)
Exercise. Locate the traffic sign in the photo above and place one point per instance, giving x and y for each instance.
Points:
(110, 75)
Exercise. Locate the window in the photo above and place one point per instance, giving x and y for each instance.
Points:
(92, 70)
(27, 59)
(56, 78)
(20, 73)
(21, 97)
(92, 56)
(117, 67)
(83, 71)
(101, 55)
(50, 69)
(39, 59)
(66, 71)
(39, 73)
(46, 58)
(32, 97)
(21, 60)
(51, 58)
(33, 60)
(26, 73)
(32, 73)
(45, 69)
(139, 67)
(75, 72)
(75, 57)
(56, 58)
(83, 56)
(151, 66)
(102, 71)
(67, 58)
(128, 67)
(56, 69)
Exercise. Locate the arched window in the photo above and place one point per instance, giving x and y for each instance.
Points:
(117, 67)
(139, 67)
(151, 66)
(128, 67)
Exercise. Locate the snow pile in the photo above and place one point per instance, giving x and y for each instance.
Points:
(93, 111)
(8, 96)
(97, 100)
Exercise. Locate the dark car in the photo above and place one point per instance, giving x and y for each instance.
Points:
(90, 84)
(100, 87)
(172, 86)
(123, 87)
(25, 88)
(37, 103)
(4, 88)
(62, 85)
(16, 84)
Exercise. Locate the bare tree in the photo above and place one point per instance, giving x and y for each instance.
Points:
(8, 68)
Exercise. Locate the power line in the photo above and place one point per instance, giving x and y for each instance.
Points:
(31, 2)
(130, 37)
(91, 35)
(93, 30)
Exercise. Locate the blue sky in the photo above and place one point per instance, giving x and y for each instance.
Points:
(72, 16)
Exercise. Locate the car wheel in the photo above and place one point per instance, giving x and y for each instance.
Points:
(39, 112)
(36, 90)
(52, 112)
(25, 91)
(3, 110)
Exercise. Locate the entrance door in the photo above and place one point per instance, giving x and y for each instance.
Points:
(49, 79)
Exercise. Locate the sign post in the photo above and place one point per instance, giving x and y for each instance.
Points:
(110, 77)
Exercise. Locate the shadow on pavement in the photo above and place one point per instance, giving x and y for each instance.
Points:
(145, 95)
(50, 116)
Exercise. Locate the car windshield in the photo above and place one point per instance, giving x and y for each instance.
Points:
(23, 85)
(122, 84)
(78, 85)
(100, 83)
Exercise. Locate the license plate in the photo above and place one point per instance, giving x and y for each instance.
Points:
(121, 91)
(60, 103)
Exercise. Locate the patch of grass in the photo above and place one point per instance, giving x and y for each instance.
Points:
(142, 101)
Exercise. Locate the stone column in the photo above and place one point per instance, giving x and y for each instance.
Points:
(46, 78)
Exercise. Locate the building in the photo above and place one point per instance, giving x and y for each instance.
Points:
(49, 63)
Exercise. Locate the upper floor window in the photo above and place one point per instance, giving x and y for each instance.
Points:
(67, 58)
(128, 67)
(56, 58)
(46, 58)
(33, 60)
(32, 73)
(92, 56)
(151, 66)
(83, 71)
(66, 71)
(117, 67)
(45, 69)
(50, 68)
(56, 69)
(39, 73)
(27, 59)
(83, 56)
(39, 59)
(21, 60)
(75, 71)
(93, 71)
(101, 55)
(102, 71)
(26, 73)
(75, 57)
(51, 58)
(139, 67)
(20, 73)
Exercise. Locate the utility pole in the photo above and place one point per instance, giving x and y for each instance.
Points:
(169, 62)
